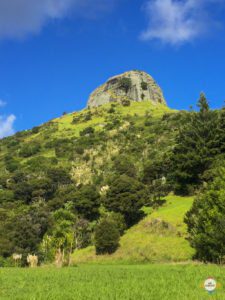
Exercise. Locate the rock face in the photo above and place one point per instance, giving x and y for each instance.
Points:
(133, 85)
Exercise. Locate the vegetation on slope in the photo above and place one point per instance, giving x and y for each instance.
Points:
(159, 237)
(59, 181)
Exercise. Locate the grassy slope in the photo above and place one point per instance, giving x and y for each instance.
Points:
(68, 130)
(166, 282)
(146, 242)
(138, 108)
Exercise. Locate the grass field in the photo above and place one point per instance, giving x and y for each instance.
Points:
(131, 282)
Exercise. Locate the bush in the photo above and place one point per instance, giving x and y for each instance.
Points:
(87, 131)
(30, 149)
(79, 150)
(76, 119)
(125, 102)
(206, 222)
(87, 117)
(125, 84)
(35, 130)
(111, 110)
(106, 237)
(144, 86)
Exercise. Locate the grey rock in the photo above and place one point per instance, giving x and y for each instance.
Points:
(141, 87)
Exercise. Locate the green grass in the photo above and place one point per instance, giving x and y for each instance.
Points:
(132, 282)
(146, 242)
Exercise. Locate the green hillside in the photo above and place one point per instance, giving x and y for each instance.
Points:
(159, 237)
(95, 181)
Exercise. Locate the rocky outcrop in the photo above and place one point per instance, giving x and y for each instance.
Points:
(133, 85)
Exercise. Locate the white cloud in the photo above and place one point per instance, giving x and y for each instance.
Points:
(6, 125)
(2, 103)
(19, 18)
(178, 21)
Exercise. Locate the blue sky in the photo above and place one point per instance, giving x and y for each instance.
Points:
(54, 53)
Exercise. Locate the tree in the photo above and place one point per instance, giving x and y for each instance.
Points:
(86, 202)
(62, 235)
(222, 131)
(106, 237)
(28, 228)
(126, 196)
(59, 176)
(206, 222)
(123, 165)
(196, 147)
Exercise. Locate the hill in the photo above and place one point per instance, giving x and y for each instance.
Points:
(46, 166)
(108, 169)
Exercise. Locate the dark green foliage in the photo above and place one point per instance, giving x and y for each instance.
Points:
(196, 147)
(33, 189)
(111, 110)
(156, 169)
(86, 202)
(13, 143)
(113, 122)
(59, 175)
(35, 130)
(63, 148)
(40, 163)
(30, 149)
(123, 165)
(79, 149)
(87, 116)
(77, 119)
(125, 102)
(11, 164)
(6, 196)
(22, 231)
(126, 196)
(87, 131)
(106, 237)
(222, 131)
(125, 84)
(144, 86)
(206, 222)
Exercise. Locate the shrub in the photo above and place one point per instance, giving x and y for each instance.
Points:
(35, 130)
(88, 117)
(144, 86)
(125, 84)
(106, 237)
(111, 110)
(79, 150)
(30, 149)
(76, 119)
(125, 102)
(87, 131)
